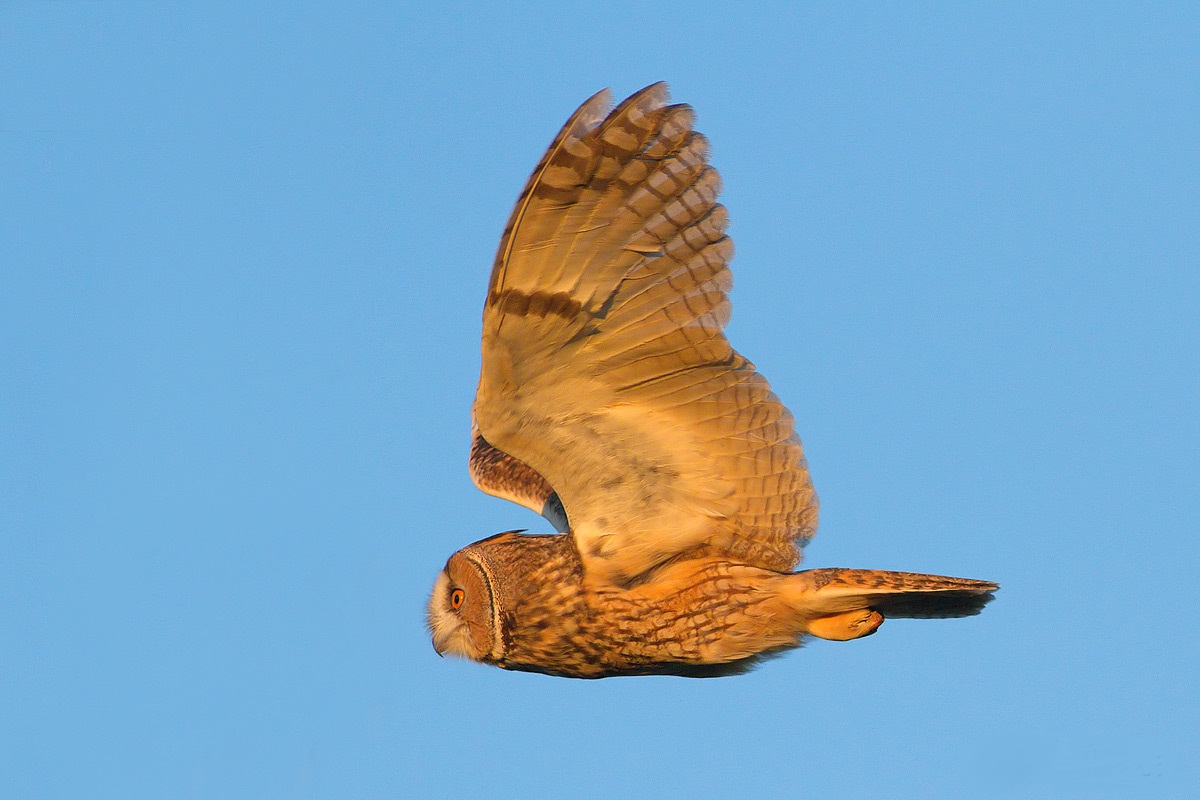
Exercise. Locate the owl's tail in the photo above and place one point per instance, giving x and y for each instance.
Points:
(843, 604)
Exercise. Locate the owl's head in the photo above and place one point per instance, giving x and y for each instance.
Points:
(464, 615)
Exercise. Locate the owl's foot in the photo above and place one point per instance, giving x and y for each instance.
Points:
(846, 626)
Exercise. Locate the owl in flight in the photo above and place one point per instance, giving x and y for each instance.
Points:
(611, 403)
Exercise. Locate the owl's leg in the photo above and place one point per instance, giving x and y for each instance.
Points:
(847, 626)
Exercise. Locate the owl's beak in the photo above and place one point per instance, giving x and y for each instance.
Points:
(438, 650)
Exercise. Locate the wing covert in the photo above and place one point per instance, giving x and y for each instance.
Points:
(497, 473)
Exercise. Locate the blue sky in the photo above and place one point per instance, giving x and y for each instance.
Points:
(243, 252)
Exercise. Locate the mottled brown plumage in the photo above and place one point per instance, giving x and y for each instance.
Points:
(610, 401)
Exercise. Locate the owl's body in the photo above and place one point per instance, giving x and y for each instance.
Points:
(695, 613)
(610, 402)
(699, 616)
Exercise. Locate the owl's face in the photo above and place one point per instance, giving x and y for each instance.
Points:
(463, 616)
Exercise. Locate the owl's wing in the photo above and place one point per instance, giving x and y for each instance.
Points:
(605, 370)
(501, 475)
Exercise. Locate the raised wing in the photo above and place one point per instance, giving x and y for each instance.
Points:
(605, 369)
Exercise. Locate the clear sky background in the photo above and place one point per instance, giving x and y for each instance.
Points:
(243, 254)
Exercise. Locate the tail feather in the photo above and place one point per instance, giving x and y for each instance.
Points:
(829, 596)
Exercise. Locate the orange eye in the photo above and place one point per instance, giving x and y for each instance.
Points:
(456, 599)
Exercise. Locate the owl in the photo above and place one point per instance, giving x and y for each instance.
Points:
(610, 402)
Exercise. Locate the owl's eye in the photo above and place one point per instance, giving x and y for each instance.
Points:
(456, 599)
